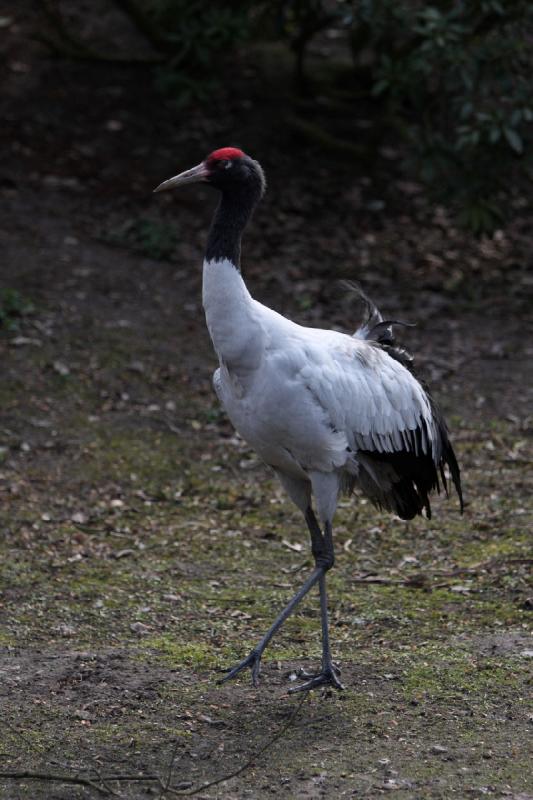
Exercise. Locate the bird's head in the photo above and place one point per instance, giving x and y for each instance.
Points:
(227, 169)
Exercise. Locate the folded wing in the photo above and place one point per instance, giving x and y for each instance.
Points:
(397, 438)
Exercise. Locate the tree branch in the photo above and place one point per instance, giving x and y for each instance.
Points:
(101, 785)
(56, 778)
(266, 746)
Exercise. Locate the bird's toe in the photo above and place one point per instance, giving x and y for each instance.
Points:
(253, 661)
(328, 677)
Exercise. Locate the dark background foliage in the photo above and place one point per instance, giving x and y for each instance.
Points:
(450, 81)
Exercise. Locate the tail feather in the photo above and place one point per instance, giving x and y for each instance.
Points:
(401, 481)
(449, 459)
(374, 328)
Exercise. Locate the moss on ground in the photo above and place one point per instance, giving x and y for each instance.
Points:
(149, 559)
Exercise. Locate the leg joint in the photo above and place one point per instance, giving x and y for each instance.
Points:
(324, 560)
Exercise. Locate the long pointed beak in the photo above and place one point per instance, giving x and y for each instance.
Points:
(198, 173)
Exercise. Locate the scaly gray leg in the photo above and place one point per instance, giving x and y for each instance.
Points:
(322, 548)
(254, 659)
(324, 556)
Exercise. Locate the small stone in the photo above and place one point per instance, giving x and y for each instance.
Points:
(124, 553)
(83, 715)
(438, 749)
(61, 368)
(20, 341)
(19, 66)
(65, 630)
(137, 366)
(139, 628)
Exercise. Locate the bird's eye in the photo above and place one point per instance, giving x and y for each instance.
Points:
(225, 164)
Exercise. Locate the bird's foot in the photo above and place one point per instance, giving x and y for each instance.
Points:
(328, 677)
(253, 661)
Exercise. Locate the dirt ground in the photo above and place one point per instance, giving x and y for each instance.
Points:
(144, 548)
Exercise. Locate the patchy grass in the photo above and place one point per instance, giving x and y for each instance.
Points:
(145, 549)
(194, 655)
(143, 566)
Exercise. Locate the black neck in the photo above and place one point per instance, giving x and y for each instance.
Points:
(233, 212)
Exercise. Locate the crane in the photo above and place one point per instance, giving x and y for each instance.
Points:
(327, 411)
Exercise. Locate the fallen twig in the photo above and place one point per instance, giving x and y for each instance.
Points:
(423, 580)
(165, 786)
(266, 746)
(481, 566)
(101, 785)
(21, 736)
(56, 778)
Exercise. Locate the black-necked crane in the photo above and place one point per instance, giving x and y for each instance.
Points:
(327, 411)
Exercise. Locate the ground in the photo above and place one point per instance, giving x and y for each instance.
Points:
(145, 549)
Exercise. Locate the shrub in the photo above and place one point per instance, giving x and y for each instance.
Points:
(455, 79)
(13, 306)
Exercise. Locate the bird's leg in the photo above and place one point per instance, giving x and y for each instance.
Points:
(327, 664)
(324, 559)
(253, 660)
(322, 549)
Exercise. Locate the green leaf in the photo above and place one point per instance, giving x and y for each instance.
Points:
(514, 140)
(380, 87)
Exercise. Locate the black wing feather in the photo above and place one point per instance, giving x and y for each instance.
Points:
(402, 481)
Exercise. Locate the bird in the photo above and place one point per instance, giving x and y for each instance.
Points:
(327, 411)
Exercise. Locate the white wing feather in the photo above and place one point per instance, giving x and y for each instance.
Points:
(374, 399)
(324, 381)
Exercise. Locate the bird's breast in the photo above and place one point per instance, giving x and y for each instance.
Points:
(236, 334)
(279, 419)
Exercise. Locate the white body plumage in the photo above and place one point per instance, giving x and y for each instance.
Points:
(308, 400)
